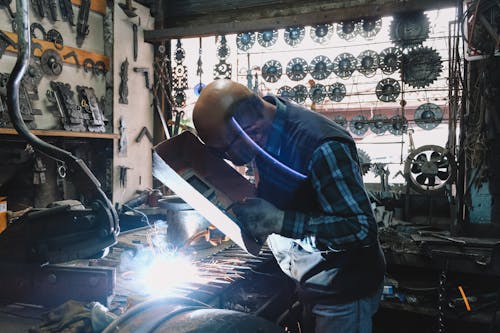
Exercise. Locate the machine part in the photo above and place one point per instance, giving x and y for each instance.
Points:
(145, 73)
(82, 27)
(285, 92)
(428, 116)
(123, 89)
(51, 62)
(55, 37)
(271, 71)
(409, 29)
(390, 60)
(5, 41)
(128, 9)
(296, 69)
(88, 65)
(223, 70)
(33, 76)
(370, 27)
(223, 50)
(65, 231)
(53, 10)
(70, 112)
(321, 33)
(368, 63)
(421, 67)
(300, 93)
(317, 93)
(94, 117)
(144, 132)
(73, 55)
(179, 99)
(67, 11)
(180, 81)
(336, 91)
(99, 68)
(180, 53)
(344, 65)
(38, 8)
(359, 125)
(294, 35)
(122, 142)
(340, 120)
(135, 42)
(379, 124)
(267, 38)
(37, 26)
(364, 161)
(387, 90)
(348, 29)
(398, 125)
(428, 169)
(321, 67)
(245, 40)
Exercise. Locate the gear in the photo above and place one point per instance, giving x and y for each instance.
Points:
(364, 161)
(179, 98)
(344, 65)
(398, 125)
(428, 116)
(390, 60)
(271, 71)
(409, 29)
(296, 69)
(300, 93)
(387, 90)
(336, 91)
(378, 124)
(358, 125)
(267, 38)
(321, 33)
(294, 35)
(222, 70)
(286, 92)
(421, 67)
(245, 40)
(317, 93)
(348, 29)
(180, 54)
(368, 63)
(340, 120)
(370, 27)
(321, 67)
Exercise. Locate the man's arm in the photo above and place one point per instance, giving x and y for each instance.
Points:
(346, 218)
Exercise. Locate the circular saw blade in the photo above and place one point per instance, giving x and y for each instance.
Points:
(390, 60)
(421, 67)
(409, 29)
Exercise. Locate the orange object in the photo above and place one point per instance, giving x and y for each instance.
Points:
(466, 301)
(3, 213)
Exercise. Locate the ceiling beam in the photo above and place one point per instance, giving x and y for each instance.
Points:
(296, 13)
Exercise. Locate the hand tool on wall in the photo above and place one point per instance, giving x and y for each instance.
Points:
(122, 143)
(38, 8)
(123, 89)
(135, 38)
(67, 11)
(53, 10)
(82, 27)
(145, 72)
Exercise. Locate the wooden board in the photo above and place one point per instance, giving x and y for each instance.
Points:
(98, 6)
(81, 54)
(62, 133)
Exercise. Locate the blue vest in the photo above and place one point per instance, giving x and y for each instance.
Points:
(323, 277)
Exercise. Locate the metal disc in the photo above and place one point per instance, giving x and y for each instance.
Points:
(51, 62)
(267, 38)
(300, 93)
(180, 53)
(179, 98)
(245, 40)
(340, 120)
(368, 63)
(348, 29)
(387, 90)
(428, 116)
(321, 67)
(321, 33)
(409, 29)
(317, 93)
(421, 67)
(336, 91)
(294, 35)
(223, 51)
(286, 92)
(390, 60)
(222, 70)
(397, 125)
(296, 69)
(358, 125)
(344, 65)
(379, 124)
(370, 27)
(33, 76)
(271, 71)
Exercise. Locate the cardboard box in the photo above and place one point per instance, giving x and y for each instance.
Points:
(3, 213)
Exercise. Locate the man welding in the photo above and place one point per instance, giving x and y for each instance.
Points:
(311, 206)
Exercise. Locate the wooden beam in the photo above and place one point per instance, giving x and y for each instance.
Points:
(81, 54)
(295, 14)
(98, 6)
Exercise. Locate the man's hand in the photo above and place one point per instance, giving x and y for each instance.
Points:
(259, 216)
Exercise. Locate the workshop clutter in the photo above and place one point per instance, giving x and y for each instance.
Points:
(3, 213)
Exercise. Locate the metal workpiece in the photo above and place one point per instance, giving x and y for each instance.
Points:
(82, 27)
(123, 89)
(93, 115)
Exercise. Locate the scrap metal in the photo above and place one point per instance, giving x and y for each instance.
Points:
(94, 118)
(70, 113)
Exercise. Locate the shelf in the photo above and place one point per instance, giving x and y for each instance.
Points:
(60, 133)
(82, 54)
(98, 6)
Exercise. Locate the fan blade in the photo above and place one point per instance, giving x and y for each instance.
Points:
(443, 175)
(421, 179)
(443, 163)
(435, 157)
(416, 167)
(432, 180)
(422, 158)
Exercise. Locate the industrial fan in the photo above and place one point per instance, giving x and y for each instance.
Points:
(428, 169)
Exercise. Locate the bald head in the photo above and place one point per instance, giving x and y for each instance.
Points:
(212, 109)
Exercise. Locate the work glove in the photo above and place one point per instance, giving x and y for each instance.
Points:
(259, 217)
